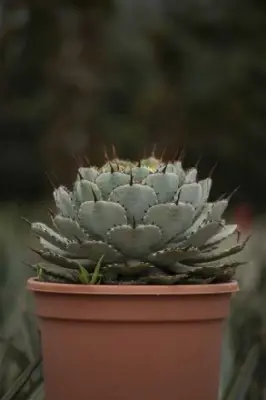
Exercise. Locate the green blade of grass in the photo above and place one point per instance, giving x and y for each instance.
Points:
(83, 275)
(95, 276)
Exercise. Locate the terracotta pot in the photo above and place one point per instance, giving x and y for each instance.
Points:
(131, 342)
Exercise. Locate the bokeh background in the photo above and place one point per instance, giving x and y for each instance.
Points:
(78, 75)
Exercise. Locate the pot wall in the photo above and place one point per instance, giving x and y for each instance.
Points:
(131, 343)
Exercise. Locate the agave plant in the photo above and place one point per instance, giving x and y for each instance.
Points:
(147, 223)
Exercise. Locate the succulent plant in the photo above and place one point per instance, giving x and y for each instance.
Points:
(137, 223)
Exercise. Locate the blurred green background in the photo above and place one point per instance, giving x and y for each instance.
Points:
(76, 76)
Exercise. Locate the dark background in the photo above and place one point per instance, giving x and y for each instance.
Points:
(75, 75)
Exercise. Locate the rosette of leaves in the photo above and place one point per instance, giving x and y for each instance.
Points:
(137, 223)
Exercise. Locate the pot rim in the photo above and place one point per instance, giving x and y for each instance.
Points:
(64, 288)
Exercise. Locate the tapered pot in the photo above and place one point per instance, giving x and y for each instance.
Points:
(131, 342)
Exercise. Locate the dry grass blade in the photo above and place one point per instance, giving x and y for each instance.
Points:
(240, 382)
(38, 393)
(21, 381)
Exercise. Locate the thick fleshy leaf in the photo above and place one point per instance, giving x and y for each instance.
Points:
(224, 233)
(180, 172)
(94, 250)
(169, 168)
(88, 173)
(63, 261)
(135, 199)
(63, 201)
(58, 273)
(202, 235)
(108, 181)
(100, 216)
(135, 242)
(172, 219)
(216, 256)
(69, 228)
(171, 256)
(140, 173)
(165, 185)
(43, 231)
(191, 175)
(218, 208)
(200, 220)
(206, 185)
(51, 248)
(86, 191)
(216, 270)
(190, 193)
